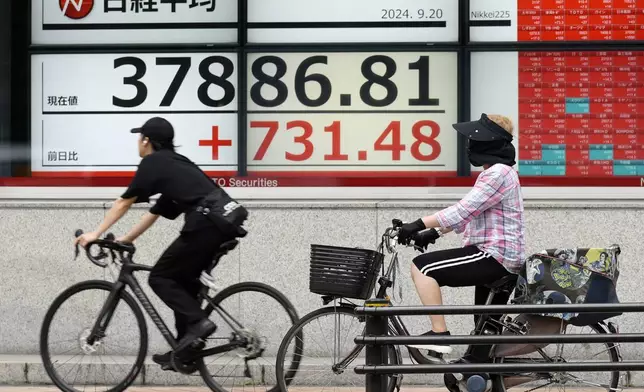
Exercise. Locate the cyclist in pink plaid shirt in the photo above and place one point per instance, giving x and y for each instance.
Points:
(491, 218)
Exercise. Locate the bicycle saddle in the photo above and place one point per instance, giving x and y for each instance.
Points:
(506, 283)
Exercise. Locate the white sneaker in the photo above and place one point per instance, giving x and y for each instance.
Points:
(438, 349)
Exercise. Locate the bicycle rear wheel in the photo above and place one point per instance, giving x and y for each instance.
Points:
(263, 315)
(333, 329)
(91, 364)
(588, 381)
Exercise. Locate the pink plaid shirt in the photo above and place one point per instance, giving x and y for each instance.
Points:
(491, 216)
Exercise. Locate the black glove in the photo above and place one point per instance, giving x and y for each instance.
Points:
(409, 229)
(423, 239)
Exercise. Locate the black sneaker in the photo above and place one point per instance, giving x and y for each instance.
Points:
(196, 332)
(163, 360)
(434, 350)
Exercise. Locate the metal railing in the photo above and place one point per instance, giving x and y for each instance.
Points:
(376, 339)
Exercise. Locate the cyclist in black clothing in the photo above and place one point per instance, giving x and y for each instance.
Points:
(182, 185)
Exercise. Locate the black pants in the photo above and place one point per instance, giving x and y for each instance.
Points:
(466, 267)
(175, 277)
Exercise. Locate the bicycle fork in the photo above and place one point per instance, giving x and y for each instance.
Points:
(105, 315)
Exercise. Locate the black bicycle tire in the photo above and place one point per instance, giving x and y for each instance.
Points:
(53, 308)
(234, 289)
(300, 325)
(498, 384)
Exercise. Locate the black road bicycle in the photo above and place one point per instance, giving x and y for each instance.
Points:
(344, 352)
(241, 341)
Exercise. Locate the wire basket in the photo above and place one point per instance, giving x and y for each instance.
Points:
(343, 272)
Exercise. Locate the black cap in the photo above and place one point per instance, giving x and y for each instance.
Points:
(157, 129)
(483, 130)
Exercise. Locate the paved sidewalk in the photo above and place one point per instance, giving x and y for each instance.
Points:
(198, 389)
(310, 389)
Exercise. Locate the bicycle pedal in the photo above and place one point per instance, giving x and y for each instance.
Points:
(451, 382)
(178, 364)
(168, 367)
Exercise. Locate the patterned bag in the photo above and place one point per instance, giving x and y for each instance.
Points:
(564, 276)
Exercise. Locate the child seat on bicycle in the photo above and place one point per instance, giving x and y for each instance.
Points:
(571, 275)
(491, 218)
(211, 219)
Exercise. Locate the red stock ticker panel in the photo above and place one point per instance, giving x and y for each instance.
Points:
(580, 20)
(581, 114)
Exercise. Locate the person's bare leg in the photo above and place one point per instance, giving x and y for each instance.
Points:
(430, 294)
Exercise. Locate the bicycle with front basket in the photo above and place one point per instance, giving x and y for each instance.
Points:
(240, 340)
(343, 275)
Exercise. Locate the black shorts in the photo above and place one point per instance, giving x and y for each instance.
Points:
(460, 267)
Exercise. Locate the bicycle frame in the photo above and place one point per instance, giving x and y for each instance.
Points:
(397, 326)
(396, 323)
(482, 321)
(126, 279)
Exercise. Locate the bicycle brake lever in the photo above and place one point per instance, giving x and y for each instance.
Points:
(419, 249)
(101, 255)
(412, 243)
(77, 234)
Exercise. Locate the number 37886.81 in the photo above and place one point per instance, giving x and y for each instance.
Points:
(425, 146)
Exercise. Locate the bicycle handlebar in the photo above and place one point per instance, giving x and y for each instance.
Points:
(391, 233)
(110, 243)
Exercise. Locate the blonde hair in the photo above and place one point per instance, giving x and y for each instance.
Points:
(503, 121)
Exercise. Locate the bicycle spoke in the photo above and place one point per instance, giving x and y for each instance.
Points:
(78, 372)
(65, 352)
(325, 341)
(605, 380)
(328, 362)
(346, 338)
(578, 380)
(539, 387)
(231, 359)
(68, 361)
(251, 363)
(317, 376)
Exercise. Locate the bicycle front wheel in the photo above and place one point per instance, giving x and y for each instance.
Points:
(110, 363)
(330, 355)
(262, 315)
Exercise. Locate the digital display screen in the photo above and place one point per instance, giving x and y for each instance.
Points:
(77, 130)
(579, 114)
(340, 21)
(335, 113)
(377, 109)
(556, 20)
(73, 22)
